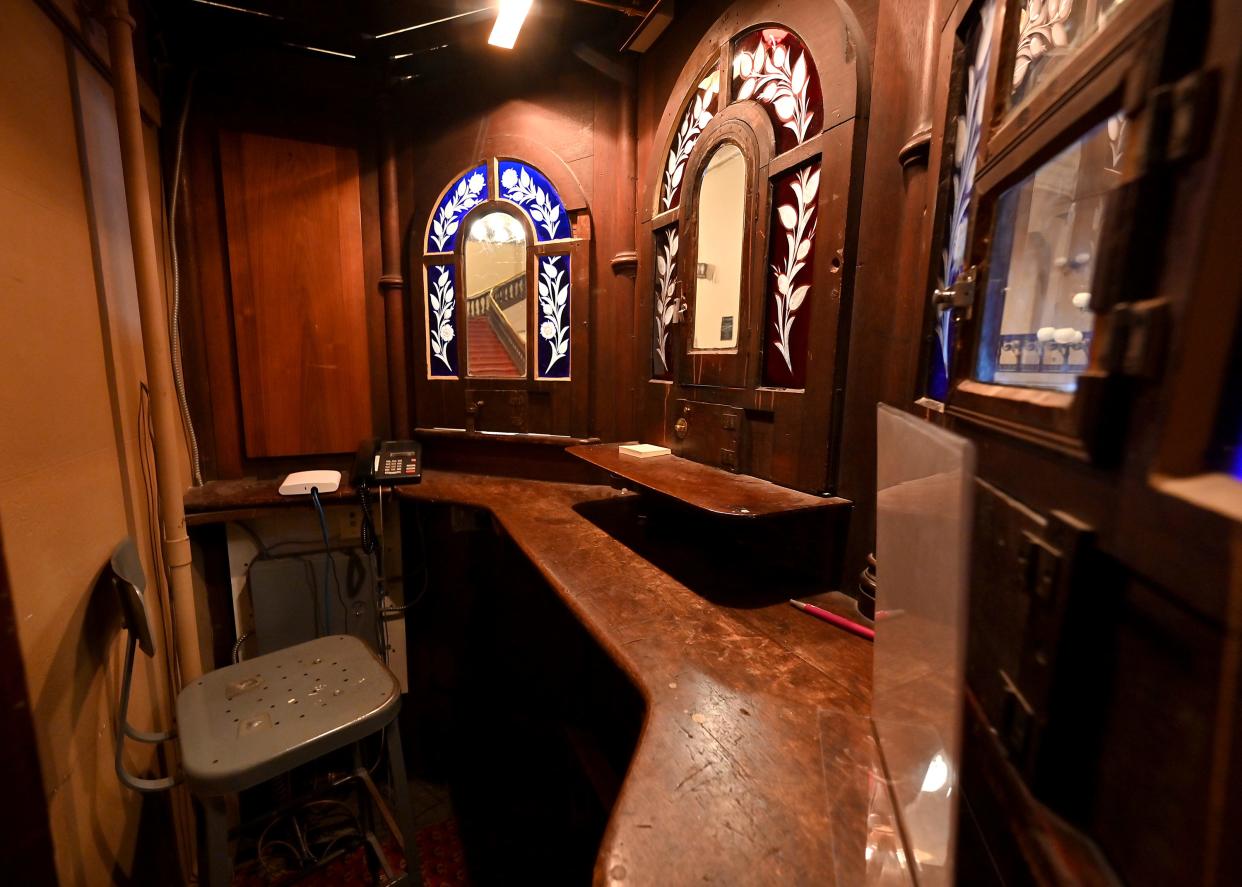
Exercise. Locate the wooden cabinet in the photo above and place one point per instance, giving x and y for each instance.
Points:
(294, 246)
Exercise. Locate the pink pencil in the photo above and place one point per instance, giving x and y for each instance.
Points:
(839, 621)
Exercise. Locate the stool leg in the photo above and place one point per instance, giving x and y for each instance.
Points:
(401, 798)
(216, 859)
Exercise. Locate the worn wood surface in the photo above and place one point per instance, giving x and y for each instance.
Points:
(702, 486)
(733, 780)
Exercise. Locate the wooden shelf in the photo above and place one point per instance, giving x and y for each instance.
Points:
(702, 487)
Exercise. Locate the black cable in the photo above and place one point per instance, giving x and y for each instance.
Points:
(327, 557)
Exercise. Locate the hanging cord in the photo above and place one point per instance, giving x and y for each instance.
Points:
(372, 546)
(327, 559)
(174, 333)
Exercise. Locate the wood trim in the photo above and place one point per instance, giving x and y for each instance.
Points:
(745, 125)
(1079, 424)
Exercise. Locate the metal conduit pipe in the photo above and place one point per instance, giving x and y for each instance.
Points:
(164, 410)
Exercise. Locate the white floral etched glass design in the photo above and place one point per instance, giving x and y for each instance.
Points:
(554, 317)
(773, 68)
(791, 275)
(441, 321)
(526, 186)
(966, 132)
(1049, 32)
(462, 196)
(666, 304)
(1037, 321)
(698, 114)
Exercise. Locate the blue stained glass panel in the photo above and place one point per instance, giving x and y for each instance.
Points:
(466, 193)
(526, 186)
(554, 318)
(442, 321)
(967, 136)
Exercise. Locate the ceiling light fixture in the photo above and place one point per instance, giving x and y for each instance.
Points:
(439, 21)
(322, 51)
(509, 18)
(232, 8)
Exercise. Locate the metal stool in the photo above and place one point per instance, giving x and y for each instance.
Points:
(247, 723)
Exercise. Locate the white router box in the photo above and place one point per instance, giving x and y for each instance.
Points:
(300, 482)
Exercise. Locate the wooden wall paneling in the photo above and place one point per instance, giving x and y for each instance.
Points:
(367, 141)
(25, 834)
(886, 323)
(392, 282)
(298, 307)
(215, 400)
(562, 120)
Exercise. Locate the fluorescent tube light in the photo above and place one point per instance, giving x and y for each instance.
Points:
(509, 18)
(421, 25)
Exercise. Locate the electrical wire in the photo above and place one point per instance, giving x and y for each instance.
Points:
(327, 559)
(174, 324)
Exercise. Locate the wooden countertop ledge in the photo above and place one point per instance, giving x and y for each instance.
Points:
(731, 781)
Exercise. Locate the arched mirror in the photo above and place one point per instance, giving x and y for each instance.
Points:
(721, 221)
(496, 305)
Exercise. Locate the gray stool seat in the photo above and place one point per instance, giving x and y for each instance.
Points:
(247, 723)
(250, 722)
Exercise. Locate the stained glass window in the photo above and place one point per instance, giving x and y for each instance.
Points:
(494, 308)
(1049, 32)
(964, 136)
(772, 67)
(791, 275)
(526, 186)
(442, 321)
(463, 195)
(665, 302)
(698, 113)
(554, 318)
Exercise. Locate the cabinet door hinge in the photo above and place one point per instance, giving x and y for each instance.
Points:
(1138, 338)
(1179, 120)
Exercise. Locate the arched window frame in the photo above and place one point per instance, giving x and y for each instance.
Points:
(521, 188)
(780, 394)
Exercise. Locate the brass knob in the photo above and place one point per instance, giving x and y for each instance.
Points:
(681, 428)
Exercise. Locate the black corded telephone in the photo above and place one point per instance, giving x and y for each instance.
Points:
(388, 462)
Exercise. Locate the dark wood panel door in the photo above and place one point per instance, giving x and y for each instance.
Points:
(293, 217)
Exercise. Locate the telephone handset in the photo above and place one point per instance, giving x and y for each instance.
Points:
(389, 462)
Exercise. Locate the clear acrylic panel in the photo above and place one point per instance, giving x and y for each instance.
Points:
(925, 479)
(1037, 321)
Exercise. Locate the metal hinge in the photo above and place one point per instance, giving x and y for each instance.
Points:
(960, 295)
(1138, 338)
(1179, 120)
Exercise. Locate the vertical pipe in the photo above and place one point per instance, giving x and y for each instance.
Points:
(392, 284)
(164, 411)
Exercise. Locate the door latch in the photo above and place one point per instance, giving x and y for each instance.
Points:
(960, 295)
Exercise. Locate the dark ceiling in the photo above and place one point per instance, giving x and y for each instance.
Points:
(401, 40)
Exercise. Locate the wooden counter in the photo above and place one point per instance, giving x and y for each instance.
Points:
(731, 781)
